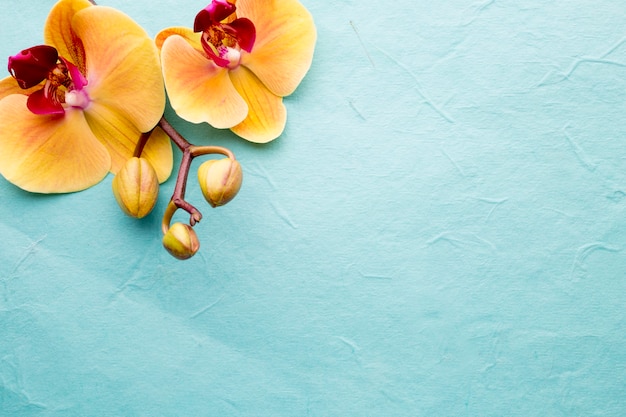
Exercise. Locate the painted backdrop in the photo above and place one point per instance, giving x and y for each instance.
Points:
(438, 232)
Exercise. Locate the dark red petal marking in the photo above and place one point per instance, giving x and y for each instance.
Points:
(243, 30)
(39, 103)
(214, 13)
(32, 65)
(77, 77)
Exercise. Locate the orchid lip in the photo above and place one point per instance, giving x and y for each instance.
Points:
(214, 13)
(223, 42)
(244, 31)
(31, 66)
(40, 102)
(62, 83)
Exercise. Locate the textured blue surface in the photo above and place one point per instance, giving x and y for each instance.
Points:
(439, 232)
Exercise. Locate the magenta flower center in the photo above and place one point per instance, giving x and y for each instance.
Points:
(224, 42)
(61, 81)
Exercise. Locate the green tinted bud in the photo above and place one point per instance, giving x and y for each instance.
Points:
(136, 187)
(181, 241)
(220, 180)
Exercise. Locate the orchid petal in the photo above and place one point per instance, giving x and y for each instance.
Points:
(123, 65)
(193, 38)
(8, 86)
(158, 152)
(120, 137)
(59, 33)
(285, 41)
(199, 91)
(267, 115)
(48, 154)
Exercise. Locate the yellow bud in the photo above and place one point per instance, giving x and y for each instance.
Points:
(181, 241)
(136, 187)
(220, 180)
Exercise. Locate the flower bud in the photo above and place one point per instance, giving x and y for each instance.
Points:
(220, 180)
(136, 187)
(181, 241)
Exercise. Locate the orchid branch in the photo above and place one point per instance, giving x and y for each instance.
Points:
(190, 151)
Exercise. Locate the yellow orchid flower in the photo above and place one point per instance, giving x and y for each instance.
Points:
(74, 109)
(233, 68)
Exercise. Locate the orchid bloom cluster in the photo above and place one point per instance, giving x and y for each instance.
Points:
(91, 100)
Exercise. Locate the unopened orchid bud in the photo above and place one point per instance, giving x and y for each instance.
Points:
(220, 180)
(136, 187)
(181, 241)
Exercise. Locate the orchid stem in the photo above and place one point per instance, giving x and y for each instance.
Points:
(189, 151)
(176, 137)
(141, 144)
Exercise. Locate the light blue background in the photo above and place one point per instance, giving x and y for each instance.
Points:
(439, 232)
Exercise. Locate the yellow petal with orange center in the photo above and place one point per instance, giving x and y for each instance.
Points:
(188, 34)
(9, 86)
(49, 154)
(120, 137)
(285, 41)
(123, 69)
(158, 152)
(267, 115)
(58, 31)
(199, 90)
